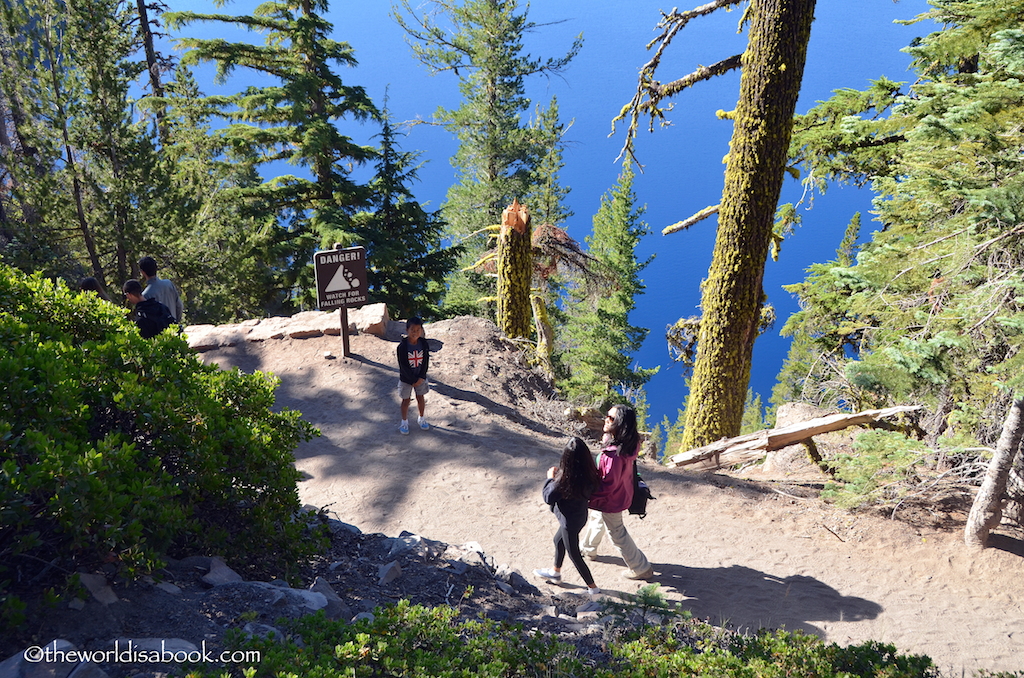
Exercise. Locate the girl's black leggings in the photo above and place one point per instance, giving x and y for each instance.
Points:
(569, 540)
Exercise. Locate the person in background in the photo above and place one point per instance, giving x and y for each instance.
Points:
(567, 491)
(621, 448)
(413, 361)
(93, 285)
(150, 315)
(160, 289)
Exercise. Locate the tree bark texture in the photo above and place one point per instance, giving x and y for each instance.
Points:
(153, 68)
(731, 298)
(545, 334)
(986, 512)
(515, 270)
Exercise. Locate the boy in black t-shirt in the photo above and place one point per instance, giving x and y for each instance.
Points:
(413, 360)
(150, 315)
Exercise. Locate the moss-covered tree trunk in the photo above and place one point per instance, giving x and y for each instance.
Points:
(773, 67)
(545, 334)
(515, 270)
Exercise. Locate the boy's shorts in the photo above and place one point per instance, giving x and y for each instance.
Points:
(405, 390)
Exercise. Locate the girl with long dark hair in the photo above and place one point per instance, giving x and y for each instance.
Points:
(621, 448)
(567, 491)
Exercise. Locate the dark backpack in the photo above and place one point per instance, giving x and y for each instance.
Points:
(152, 317)
(641, 494)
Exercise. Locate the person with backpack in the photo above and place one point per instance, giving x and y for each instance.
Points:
(150, 315)
(161, 289)
(567, 491)
(615, 494)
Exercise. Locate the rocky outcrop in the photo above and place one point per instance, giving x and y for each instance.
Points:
(154, 627)
(370, 319)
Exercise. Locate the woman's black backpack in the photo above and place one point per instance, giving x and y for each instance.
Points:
(641, 493)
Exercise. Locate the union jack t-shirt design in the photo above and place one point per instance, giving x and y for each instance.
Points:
(415, 358)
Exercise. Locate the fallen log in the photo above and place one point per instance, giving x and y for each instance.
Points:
(753, 446)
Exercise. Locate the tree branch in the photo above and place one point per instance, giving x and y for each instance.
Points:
(702, 73)
(686, 223)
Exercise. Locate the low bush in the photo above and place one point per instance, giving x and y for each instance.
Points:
(767, 654)
(407, 640)
(413, 641)
(119, 450)
(883, 465)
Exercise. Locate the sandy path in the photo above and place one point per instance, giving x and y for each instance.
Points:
(730, 551)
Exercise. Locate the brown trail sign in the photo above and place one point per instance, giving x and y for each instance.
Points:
(341, 282)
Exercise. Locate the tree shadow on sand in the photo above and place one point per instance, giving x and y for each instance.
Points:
(746, 599)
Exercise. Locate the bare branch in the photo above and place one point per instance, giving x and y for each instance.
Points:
(686, 223)
(649, 92)
(702, 73)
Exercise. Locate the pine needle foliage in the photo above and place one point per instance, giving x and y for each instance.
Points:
(597, 338)
(407, 261)
(501, 157)
(294, 118)
(931, 311)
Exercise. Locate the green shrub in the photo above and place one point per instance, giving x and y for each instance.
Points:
(767, 654)
(415, 641)
(116, 449)
(879, 470)
(407, 640)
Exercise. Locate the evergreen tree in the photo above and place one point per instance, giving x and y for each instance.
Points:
(481, 42)
(598, 338)
(825, 333)
(30, 148)
(937, 291)
(81, 167)
(546, 198)
(293, 120)
(406, 261)
(732, 297)
(219, 239)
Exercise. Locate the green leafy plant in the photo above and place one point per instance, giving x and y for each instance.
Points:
(766, 654)
(412, 640)
(115, 449)
(647, 607)
(409, 640)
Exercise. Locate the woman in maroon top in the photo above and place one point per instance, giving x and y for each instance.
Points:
(621, 447)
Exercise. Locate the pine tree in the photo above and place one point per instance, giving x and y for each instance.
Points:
(936, 292)
(220, 241)
(598, 338)
(481, 42)
(546, 198)
(824, 333)
(406, 262)
(293, 120)
(81, 167)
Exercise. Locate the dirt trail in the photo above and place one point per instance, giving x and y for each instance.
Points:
(733, 552)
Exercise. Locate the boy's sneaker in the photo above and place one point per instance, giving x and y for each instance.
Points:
(404, 428)
(423, 424)
(549, 575)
